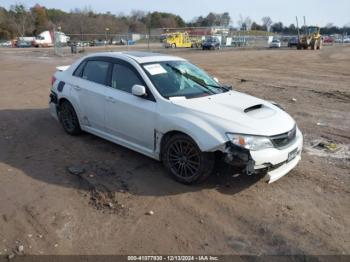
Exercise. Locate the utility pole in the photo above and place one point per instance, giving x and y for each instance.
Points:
(149, 33)
(82, 37)
(298, 28)
(106, 30)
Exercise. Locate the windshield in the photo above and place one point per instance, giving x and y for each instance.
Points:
(181, 78)
(312, 30)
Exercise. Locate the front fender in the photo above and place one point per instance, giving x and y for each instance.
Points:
(206, 136)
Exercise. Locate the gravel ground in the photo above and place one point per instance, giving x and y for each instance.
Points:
(45, 209)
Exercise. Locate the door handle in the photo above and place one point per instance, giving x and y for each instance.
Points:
(110, 99)
(76, 87)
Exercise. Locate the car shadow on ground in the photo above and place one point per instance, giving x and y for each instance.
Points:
(33, 142)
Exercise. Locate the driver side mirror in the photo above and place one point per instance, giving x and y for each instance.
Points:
(138, 90)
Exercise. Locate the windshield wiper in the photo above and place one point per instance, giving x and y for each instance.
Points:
(191, 77)
(225, 88)
(199, 80)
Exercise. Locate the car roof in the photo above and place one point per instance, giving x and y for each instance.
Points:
(140, 57)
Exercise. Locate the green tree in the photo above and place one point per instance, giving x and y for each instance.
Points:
(5, 32)
(56, 16)
(41, 20)
(20, 20)
(256, 26)
(277, 27)
(291, 29)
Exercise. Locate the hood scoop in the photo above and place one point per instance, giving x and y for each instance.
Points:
(259, 111)
(252, 108)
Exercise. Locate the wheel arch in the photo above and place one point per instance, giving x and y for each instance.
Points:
(65, 99)
(167, 136)
(207, 138)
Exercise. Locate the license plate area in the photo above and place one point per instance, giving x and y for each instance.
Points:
(292, 155)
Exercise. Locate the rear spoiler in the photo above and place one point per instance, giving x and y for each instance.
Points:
(62, 68)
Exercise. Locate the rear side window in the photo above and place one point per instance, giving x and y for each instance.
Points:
(96, 71)
(123, 78)
(79, 69)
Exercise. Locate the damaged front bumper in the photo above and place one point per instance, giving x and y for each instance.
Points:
(274, 162)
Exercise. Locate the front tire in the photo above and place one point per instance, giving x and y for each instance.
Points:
(69, 118)
(185, 161)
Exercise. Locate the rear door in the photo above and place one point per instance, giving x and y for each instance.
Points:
(129, 118)
(90, 88)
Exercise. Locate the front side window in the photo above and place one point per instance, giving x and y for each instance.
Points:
(96, 71)
(181, 78)
(124, 78)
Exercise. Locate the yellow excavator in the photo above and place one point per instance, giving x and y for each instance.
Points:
(311, 37)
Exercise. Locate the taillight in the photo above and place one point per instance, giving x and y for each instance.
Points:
(53, 80)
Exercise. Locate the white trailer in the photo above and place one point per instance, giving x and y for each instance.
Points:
(47, 39)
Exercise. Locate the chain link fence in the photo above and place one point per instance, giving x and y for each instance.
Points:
(156, 39)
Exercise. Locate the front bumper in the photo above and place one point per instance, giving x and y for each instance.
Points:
(275, 174)
(272, 161)
(275, 161)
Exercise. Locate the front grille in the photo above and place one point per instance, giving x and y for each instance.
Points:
(284, 139)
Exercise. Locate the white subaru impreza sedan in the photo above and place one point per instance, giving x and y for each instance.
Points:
(168, 109)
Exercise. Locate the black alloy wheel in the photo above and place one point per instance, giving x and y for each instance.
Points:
(69, 119)
(183, 158)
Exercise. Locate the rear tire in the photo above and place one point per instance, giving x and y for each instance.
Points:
(69, 119)
(185, 161)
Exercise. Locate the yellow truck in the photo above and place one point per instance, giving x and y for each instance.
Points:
(180, 39)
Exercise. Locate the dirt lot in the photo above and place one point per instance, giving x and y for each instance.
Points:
(51, 211)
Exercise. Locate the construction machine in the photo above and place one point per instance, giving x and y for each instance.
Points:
(311, 37)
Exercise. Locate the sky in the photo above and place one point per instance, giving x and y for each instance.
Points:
(317, 12)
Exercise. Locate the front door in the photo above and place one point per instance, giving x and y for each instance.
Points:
(129, 118)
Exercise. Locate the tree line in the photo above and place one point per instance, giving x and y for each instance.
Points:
(21, 21)
(245, 23)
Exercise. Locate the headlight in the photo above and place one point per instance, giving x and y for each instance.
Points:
(250, 142)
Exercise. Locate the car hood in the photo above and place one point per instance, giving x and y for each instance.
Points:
(240, 113)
